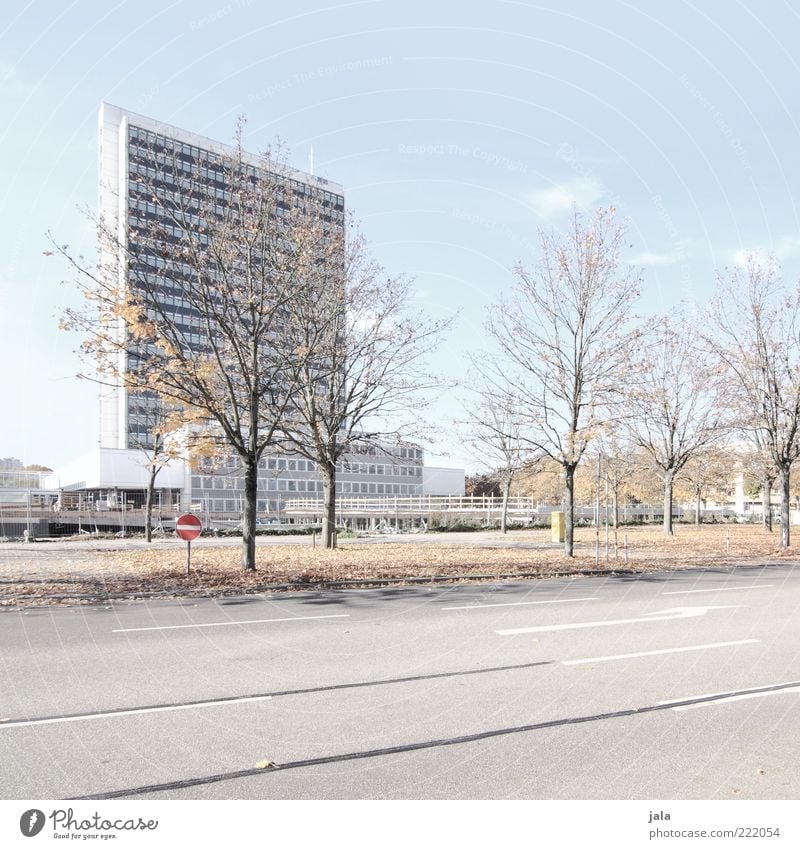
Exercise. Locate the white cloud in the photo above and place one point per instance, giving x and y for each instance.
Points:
(584, 192)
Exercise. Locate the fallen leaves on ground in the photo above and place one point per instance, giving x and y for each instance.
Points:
(36, 577)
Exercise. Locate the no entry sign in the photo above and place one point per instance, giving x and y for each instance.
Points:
(188, 527)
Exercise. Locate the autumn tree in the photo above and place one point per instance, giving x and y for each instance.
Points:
(759, 466)
(669, 410)
(482, 484)
(158, 422)
(357, 346)
(562, 338)
(544, 483)
(190, 305)
(708, 471)
(756, 317)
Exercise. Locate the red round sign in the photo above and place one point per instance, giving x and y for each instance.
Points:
(188, 527)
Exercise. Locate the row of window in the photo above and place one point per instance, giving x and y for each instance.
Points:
(145, 144)
(312, 489)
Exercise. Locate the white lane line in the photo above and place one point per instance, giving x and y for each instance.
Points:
(711, 700)
(520, 603)
(719, 590)
(655, 616)
(132, 712)
(658, 651)
(220, 624)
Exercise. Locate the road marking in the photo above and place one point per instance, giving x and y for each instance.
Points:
(719, 590)
(720, 698)
(659, 651)
(655, 616)
(220, 624)
(132, 712)
(520, 603)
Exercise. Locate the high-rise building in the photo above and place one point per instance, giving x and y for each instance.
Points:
(144, 166)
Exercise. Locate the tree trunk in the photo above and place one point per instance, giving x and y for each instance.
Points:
(766, 501)
(329, 505)
(569, 510)
(697, 507)
(784, 476)
(148, 505)
(504, 515)
(668, 503)
(249, 514)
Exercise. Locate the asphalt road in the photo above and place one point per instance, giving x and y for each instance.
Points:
(678, 685)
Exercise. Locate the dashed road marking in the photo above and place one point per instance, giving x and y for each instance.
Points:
(20, 723)
(231, 622)
(520, 603)
(719, 589)
(657, 651)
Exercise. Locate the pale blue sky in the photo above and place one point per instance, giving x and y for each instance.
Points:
(457, 129)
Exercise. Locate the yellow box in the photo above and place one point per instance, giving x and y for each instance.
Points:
(557, 527)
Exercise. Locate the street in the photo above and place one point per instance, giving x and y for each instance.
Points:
(681, 685)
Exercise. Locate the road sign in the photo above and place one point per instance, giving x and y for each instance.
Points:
(188, 527)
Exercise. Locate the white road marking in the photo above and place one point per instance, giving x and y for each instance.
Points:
(658, 651)
(132, 712)
(519, 603)
(220, 624)
(656, 616)
(723, 698)
(719, 590)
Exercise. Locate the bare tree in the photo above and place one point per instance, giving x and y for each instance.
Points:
(358, 348)
(757, 322)
(562, 341)
(669, 410)
(191, 304)
(493, 429)
(619, 467)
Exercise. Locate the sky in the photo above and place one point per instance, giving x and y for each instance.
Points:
(458, 129)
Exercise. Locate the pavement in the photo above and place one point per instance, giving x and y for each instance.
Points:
(674, 685)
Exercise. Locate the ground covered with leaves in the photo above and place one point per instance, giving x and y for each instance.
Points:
(85, 572)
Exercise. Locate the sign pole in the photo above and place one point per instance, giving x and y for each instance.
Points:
(188, 554)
